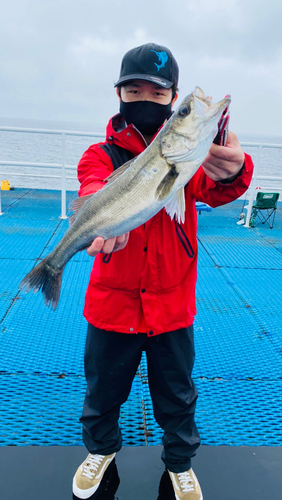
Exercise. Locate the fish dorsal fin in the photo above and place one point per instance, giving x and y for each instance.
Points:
(76, 205)
(116, 173)
(176, 206)
(167, 183)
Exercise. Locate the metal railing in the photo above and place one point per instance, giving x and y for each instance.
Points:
(64, 167)
(258, 177)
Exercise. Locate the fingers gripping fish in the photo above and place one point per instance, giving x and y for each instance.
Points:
(137, 190)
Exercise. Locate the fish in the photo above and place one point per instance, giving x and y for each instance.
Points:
(137, 190)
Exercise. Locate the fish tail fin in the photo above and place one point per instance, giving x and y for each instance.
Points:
(45, 278)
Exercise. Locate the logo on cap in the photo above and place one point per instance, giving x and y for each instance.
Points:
(162, 58)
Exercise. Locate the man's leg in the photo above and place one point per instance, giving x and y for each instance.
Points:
(111, 362)
(170, 359)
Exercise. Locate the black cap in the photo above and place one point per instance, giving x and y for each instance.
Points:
(150, 62)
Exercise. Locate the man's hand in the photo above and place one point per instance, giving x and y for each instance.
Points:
(107, 246)
(224, 162)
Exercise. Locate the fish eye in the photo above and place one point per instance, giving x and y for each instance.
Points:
(184, 111)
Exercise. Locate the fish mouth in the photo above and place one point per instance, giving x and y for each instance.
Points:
(199, 94)
(203, 105)
(220, 106)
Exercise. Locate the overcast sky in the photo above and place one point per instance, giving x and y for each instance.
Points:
(59, 59)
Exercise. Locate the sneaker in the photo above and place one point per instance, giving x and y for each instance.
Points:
(92, 474)
(182, 486)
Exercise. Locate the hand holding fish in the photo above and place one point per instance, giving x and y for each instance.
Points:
(107, 246)
(224, 162)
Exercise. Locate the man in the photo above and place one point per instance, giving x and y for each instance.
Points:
(141, 295)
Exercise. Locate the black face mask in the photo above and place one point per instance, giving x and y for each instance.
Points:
(146, 116)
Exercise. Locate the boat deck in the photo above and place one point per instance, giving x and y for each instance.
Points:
(238, 336)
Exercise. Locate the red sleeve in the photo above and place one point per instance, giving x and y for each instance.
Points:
(215, 193)
(93, 168)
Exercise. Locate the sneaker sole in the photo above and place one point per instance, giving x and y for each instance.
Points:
(200, 498)
(83, 494)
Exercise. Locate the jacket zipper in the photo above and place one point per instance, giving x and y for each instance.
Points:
(184, 240)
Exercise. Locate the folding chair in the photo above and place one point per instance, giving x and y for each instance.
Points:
(264, 209)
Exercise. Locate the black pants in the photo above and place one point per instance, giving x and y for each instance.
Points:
(111, 362)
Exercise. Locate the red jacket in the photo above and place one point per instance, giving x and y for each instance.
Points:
(149, 286)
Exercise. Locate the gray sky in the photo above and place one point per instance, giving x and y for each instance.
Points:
(59, 59)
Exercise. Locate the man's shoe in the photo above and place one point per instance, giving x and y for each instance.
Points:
(182, 486)
(92, 475)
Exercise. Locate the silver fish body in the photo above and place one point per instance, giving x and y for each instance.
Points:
(137, 190)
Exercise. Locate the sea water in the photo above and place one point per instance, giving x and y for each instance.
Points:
(46, 148)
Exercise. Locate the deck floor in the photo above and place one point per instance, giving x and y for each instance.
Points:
(224, 472)
(238, 334)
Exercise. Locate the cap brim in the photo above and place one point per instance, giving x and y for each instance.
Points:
(162, 82)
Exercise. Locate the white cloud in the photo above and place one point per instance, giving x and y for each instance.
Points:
(208, 63)
(88, 47)
(61, 58)
(99, 47)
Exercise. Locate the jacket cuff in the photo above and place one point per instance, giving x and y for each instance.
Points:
(233, 179)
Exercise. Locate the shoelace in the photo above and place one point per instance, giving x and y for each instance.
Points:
(186, 482)
(91, 466)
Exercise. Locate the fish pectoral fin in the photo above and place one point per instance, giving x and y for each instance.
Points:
(176, 206)
(167, 183)
(76, 205)
(117, 173)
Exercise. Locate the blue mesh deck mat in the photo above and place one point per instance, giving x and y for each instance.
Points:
(273, 237)
(229, 413)
(226, 216)
(10, 270)
(229, 340)
(238, 368)
(236, 413)
(238, 247)
(204, 259)
(8, 198)
(261, 291)
(45, 410)
(224, 347)
(34, 203)
(7, 202)
(37, 339)
(22, 240)
(45, 209)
